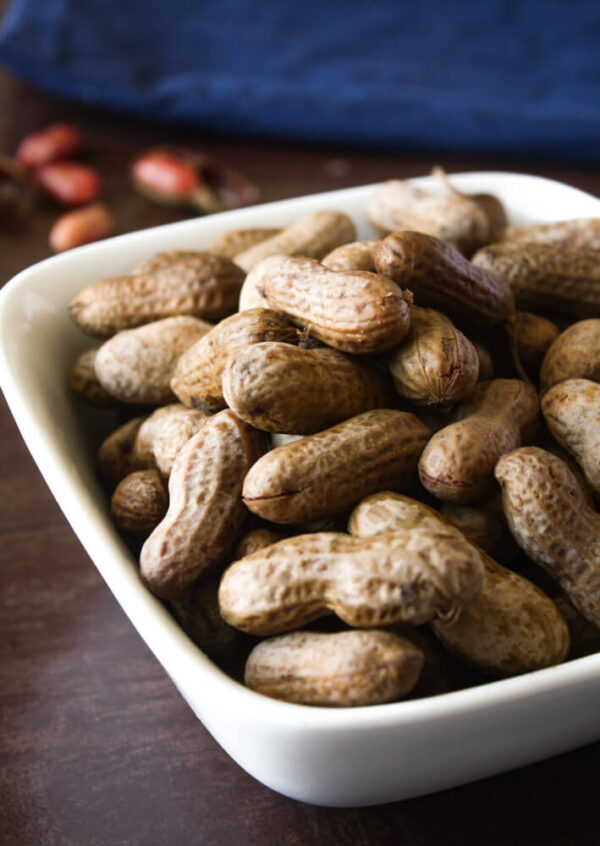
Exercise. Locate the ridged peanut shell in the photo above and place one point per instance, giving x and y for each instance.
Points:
(453, 218)
(510, 626)
(164, 433)
(115, 458)
(254, 540)
(552, 522)
(235, 241)
(328, 472)
(579, 234)
(136, 365)
(356, 312)
(339, 669)
(546, 277)
(158, 261)
(199, 617)
(313, 236)
(197, 380)
(458, 462)
(206, 512)
(358, 255)
(572, 413)
(410, 576)
(435, 364)
(281, 388)
(139, 502)
(204, 286)
(535, 335)
(574, 354)
(84, 382)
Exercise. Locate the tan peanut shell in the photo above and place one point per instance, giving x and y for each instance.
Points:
(136, 365)
(158, 261)
(510, 626)
(486, 365)
(199, 617)
(458, 462)
(489, 204)
(580, 234)
(115, 457)
(355, 312)
(206, 512)
(281, 388)
(435, 364)
(575, 354)
(139, 502)
(204, 286)
(585, 638)
(84, 382)
(546, 278)
(198, 377)
(254, 540)
(327, 472)
(453, 218)
(164, 433)
(572, 413)
(312, 236)
(552, 522)
(482, 523)
(359, 255)
(535, 335)
(411, 576)
(339, 669)
(235, 241)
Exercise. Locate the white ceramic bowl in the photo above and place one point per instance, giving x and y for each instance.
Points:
(348, 757)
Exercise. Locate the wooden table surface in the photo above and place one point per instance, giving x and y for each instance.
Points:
(96, 744)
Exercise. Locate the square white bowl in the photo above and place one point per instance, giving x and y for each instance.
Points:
(346, 757)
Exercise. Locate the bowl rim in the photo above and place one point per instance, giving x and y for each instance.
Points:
(172, 647)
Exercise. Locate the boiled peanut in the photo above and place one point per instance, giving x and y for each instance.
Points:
(339, 669)
(136, 365)
(312, 236)
(163, 434)
(510, 626)
(358, 255)
(483, 523)
(585, 638)
(163, 259)
(204, 286)
(411, 576)
(356, 312)
(489, 204)
(254, 540)
(115, 457)
(572, 413)
(435, 364)
(546, 278)
(139, 502)
(486, 365)
(327, 472)
(84, 382)
(458, 462)
(206, 511)
(575, 354)
(280, 388)
(551, 521)
(236, 241)
(198, 377)
(535, 335)
(579, 234)
(453, 218)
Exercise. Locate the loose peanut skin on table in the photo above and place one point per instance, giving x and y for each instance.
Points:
(339, 669)
(198, 376)
(510, 626)
(136, 365)
(411, 576)
(280, 388)
(328, 472)
(552, 522)
(575, 354)
(435, 364)
(458, 462)
(353, 311)
(204, 286)
(572, 413)
(206, 512)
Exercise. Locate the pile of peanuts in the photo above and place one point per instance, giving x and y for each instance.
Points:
(334, 442)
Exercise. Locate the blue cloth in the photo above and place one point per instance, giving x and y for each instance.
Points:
(505, 75)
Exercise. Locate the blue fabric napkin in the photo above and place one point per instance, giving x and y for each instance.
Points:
(493, 76)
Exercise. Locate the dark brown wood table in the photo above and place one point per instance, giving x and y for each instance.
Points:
(96, 744)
